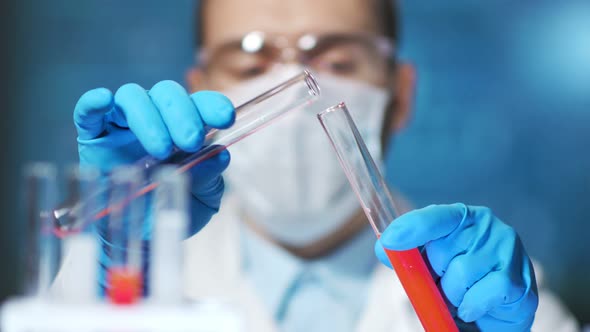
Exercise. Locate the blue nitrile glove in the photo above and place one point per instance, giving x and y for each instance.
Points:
(478, 260)
(119, 129)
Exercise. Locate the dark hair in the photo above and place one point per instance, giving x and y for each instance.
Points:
(387, 10)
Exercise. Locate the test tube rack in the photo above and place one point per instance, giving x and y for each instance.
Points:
(45, 315)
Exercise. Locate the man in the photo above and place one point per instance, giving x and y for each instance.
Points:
(290, 245)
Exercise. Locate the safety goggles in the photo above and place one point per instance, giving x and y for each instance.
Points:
(355, 56)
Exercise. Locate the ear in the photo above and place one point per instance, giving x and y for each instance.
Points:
(404, 90)
(195, 79)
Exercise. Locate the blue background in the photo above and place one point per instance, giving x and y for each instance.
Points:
(502, 115)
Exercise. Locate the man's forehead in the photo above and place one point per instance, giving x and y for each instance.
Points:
(230, 19)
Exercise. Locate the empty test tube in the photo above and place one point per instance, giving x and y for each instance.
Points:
(81, 249)
(171, 219)
(379, 207)
(251, 116)
(42, 245)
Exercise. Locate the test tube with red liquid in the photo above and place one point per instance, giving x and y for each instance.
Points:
(124, 275)
(379, 207)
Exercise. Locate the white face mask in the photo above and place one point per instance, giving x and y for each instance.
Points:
(287, 176)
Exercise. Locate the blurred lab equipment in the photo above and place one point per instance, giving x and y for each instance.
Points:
(251, 116)
(379, 207)
(121, 202)
(124, 308)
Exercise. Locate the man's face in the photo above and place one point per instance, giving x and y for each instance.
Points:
(227, 21)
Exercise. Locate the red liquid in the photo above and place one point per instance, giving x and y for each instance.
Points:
(125, 285)
(421, 290)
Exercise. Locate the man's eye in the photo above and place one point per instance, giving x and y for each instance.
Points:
(251, 71)
(341, 67)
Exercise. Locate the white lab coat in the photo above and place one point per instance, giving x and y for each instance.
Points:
(213, 270)
(212, 262)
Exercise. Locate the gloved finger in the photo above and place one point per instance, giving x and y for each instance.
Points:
(381, 255)
(462, 273)
(216, 110)
(418, 227)
(488, 323)
(144, 120)
(205, 175)
(528, 303)
(200, 214)
(471, 235)
(208, 187)
(518, 315)
(492, 291)
(90, 111)
(179, 114)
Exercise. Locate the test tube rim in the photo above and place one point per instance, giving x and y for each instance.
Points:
(312, 84)
(76, 172)
(331, 109)
(125, 174)
(41, 169)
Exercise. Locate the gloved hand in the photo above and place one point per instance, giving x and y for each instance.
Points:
(478, 260)
(121, 128)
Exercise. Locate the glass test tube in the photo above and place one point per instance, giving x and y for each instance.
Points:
(378, 205)
(125, 222)
(42, 246)
(170, 228)
(251, 116)
(82, 246)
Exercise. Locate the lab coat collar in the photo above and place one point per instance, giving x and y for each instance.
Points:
(354, 261)
(260, 258)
